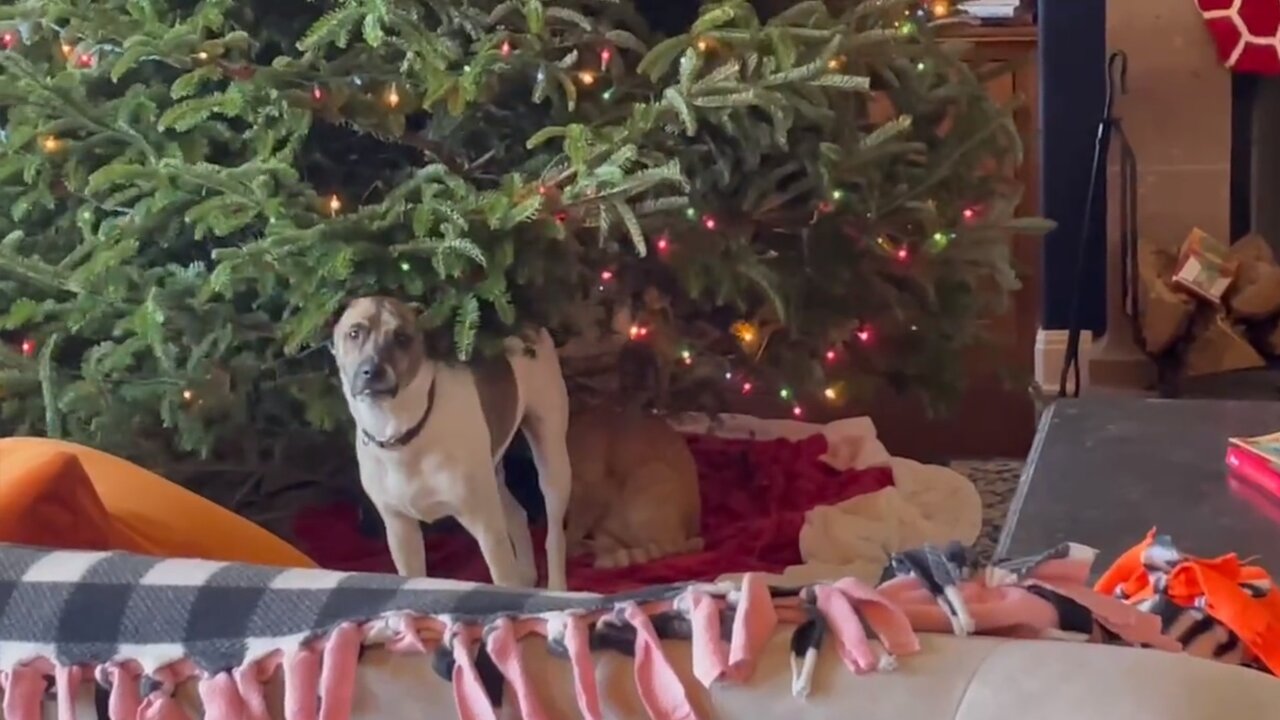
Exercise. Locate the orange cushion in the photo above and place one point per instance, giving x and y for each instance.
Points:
(60, 494)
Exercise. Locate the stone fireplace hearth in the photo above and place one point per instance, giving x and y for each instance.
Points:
(1178, 113)
(1207, 142)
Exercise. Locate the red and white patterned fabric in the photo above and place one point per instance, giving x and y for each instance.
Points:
(1246, 32)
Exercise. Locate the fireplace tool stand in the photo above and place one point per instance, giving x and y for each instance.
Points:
(1108, 126)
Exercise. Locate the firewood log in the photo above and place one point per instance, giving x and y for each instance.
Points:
(1164, 313)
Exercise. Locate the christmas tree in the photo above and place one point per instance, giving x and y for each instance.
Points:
(810, 203)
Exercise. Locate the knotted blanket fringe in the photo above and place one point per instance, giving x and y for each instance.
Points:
(480, 652)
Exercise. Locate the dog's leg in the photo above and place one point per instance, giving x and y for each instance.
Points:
(518, 529)
(547, 440)
(485, 519)
(545, 424)
(404, 538)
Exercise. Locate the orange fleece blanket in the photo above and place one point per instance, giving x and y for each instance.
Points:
(63, 495)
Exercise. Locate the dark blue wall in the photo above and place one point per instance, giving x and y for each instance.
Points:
(1073, 47)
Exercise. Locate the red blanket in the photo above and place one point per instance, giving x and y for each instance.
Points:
(754, 498)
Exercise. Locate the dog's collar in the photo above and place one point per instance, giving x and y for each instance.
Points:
(408, 435)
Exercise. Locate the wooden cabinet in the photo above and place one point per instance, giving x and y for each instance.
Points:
(997, 417)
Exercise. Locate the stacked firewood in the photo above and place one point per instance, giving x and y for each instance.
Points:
(1206, 307)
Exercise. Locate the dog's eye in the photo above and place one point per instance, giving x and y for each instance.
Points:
(355, 333)
(402, 338)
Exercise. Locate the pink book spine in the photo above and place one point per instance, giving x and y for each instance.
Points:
(1253, 469)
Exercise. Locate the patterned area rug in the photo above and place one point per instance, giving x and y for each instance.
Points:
(997, 481)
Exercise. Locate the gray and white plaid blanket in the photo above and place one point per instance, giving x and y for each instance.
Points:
(142, 625)
(92, 607)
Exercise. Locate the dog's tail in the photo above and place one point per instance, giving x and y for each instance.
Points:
(625, 557)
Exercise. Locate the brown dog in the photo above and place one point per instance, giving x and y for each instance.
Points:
(429, 435)
(635, 488)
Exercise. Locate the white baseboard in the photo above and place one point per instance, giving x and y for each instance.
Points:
(1051, 354)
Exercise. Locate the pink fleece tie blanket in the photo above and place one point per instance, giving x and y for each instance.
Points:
(137, 627)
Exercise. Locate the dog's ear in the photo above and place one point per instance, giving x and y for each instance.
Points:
(417, 308)
(335, 316)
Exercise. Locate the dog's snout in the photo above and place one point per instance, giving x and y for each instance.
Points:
(373, 377)
(371, 369)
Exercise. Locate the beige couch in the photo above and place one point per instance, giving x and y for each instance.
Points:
(951, 678)
(975, 678)
(961, 678)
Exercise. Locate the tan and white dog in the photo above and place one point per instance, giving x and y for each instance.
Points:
(429, 435)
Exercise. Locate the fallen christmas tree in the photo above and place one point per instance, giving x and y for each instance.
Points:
(814, 203)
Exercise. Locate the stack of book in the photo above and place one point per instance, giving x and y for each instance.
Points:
(1256, 460)
(993, 10)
